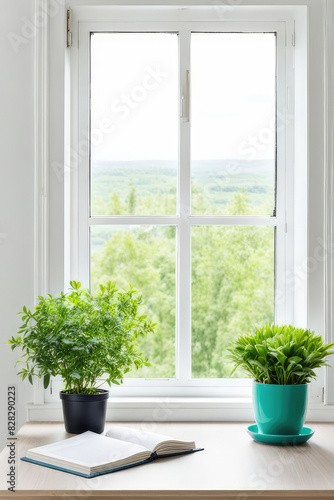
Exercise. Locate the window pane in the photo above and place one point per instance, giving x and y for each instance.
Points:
(233, 130)
(232, 288)
(134, 123)
(144, 256)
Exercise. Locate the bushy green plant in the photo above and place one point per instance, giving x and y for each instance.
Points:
(280, 354)
(83, 337)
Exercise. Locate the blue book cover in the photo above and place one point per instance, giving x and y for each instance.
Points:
(89, 476)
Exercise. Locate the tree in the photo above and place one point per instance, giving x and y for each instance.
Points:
(232, 279)
(145, 257)
(115, 206)
(131, 200)
(98, 205)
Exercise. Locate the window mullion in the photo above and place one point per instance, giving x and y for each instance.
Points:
(233, 220)
(183, 351)
(284, 261)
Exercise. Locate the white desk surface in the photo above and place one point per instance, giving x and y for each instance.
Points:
(232, 466)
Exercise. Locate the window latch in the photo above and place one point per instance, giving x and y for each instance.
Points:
(185, 99)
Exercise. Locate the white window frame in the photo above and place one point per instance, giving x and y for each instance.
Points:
(155, 21)
(305, 25)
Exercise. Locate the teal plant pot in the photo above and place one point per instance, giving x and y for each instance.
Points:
(279, 409)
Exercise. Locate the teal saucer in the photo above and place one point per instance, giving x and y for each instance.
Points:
(305, 434)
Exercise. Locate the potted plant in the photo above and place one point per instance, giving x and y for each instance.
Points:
(282, 360)
(88, 339)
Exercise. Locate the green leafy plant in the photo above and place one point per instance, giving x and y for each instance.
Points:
(83, 337)
(280, 354)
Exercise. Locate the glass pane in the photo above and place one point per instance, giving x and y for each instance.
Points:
(134, 123)
(233, 126)
(232, 288)
(144, 256)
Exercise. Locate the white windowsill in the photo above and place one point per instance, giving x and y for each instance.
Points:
(169, 409)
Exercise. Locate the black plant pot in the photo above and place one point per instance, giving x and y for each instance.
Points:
(84, 412)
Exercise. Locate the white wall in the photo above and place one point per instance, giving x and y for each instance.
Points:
(16, 194)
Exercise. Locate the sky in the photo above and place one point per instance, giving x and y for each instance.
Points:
(135, 89)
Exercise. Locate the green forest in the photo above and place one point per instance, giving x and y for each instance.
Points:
(232, 266)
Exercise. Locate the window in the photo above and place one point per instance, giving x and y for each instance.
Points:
(303, 120)
(183, 167)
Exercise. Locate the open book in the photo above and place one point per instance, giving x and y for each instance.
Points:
(90, 454)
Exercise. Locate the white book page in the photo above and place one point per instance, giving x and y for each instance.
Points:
(142, 438)
(88, 449)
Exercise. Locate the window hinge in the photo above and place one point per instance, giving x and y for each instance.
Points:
(323, 395)
(69, 32)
